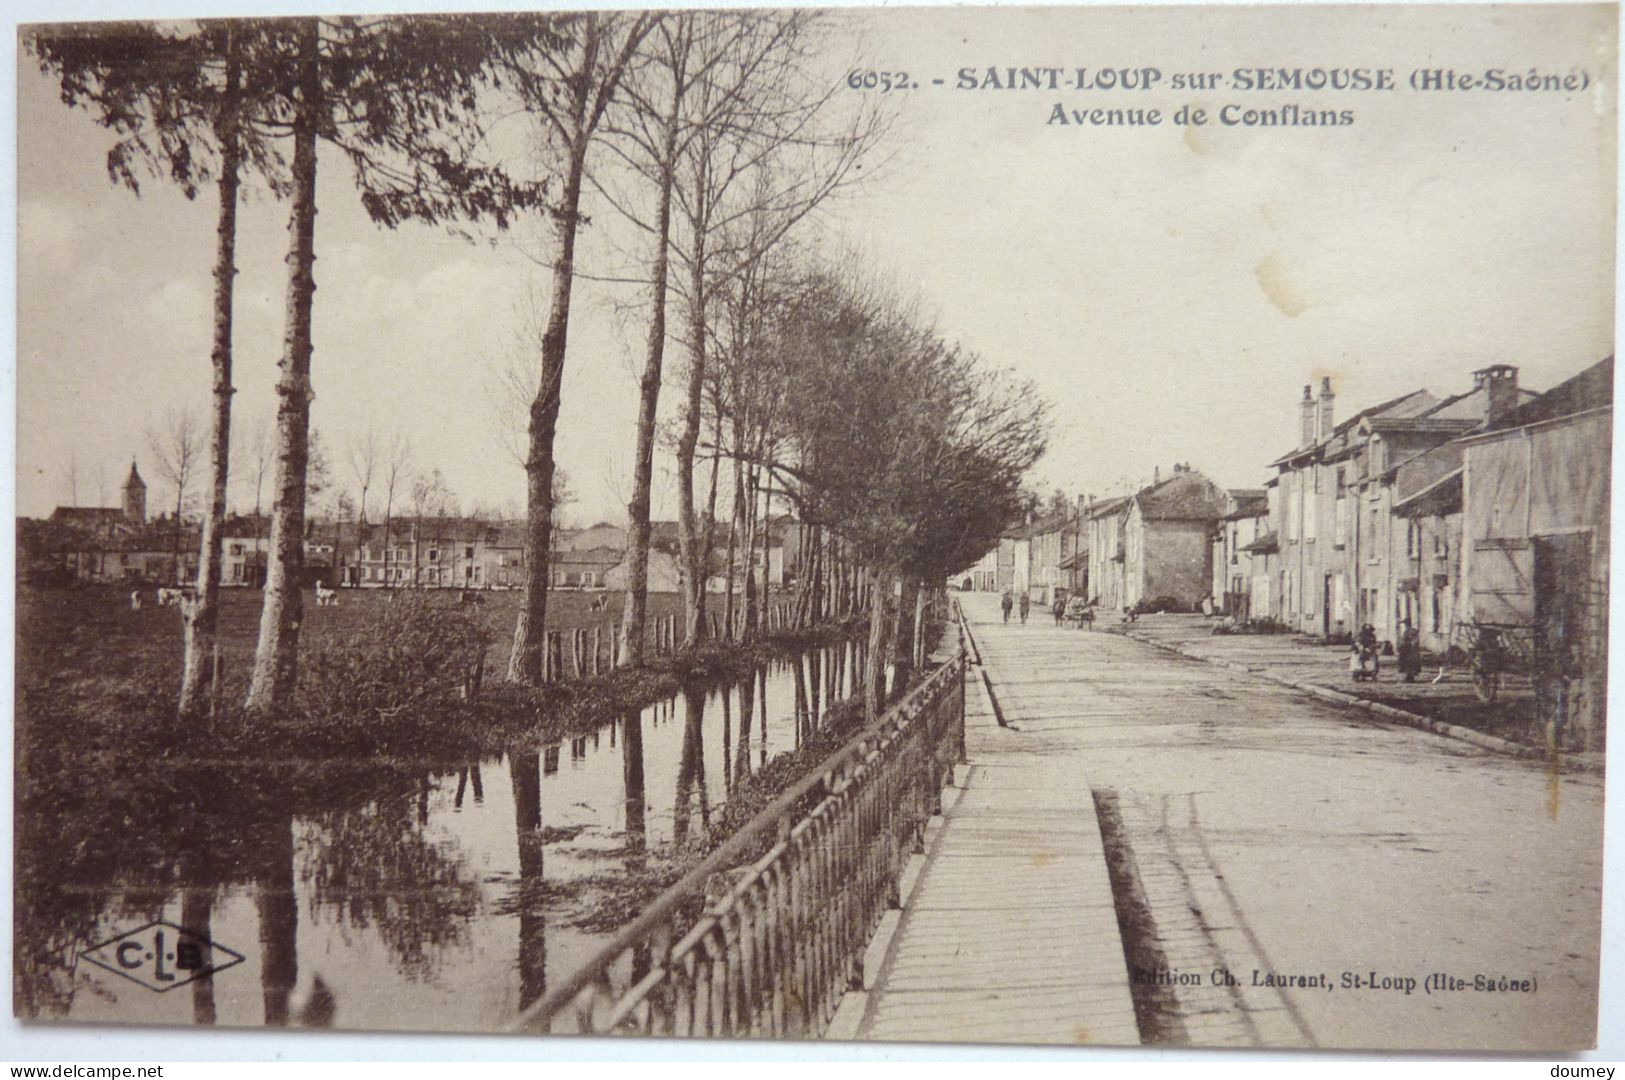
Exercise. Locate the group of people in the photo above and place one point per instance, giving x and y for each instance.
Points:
(1074, 608)
(1007, 601)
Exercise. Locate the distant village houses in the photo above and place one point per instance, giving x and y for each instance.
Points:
(111, 545)
(1485, 510)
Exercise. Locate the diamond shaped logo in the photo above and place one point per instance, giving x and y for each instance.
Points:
(162, 956)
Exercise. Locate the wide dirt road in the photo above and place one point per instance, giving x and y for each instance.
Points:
(1277, 835)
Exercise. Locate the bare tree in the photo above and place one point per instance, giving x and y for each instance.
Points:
(70, 474)
(772, 148)
(430, 495)
(567, 90)
(397, 465)
(651, 125)
(362, 454)
(176, 443)
(363, 461)
(251, 461)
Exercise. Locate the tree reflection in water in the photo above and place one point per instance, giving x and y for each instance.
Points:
(691, 767)
(470, 772)
(747, 709)
(632, 779)
(525, 770)
(803, 727)
(761, 706)
(373, 868)
(197, 913)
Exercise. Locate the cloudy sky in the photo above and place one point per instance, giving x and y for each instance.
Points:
(1169, 289)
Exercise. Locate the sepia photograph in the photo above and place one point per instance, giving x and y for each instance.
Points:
(1069, 526)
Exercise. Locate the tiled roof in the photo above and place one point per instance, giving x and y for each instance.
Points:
(1185, 496)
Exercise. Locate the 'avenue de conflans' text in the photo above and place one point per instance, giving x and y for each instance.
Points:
(1113, 80)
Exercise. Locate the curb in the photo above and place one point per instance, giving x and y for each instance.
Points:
(1492, 743)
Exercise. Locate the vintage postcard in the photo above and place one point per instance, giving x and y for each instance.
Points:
(1029, 525)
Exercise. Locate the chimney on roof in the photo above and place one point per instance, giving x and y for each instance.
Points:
(1306, 419)
(1156, 475)
(1324, 431)
(1500, 385)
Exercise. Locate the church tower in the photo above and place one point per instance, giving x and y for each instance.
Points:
(135, 497)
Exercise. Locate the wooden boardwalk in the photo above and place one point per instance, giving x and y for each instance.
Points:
(1008, 935)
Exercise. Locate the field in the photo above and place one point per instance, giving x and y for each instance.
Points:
(87, 641)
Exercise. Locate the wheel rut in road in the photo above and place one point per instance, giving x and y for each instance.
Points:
(1182, 930)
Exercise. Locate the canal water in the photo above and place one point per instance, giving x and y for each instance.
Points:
(408, 896)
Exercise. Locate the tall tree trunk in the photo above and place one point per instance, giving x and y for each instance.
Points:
(748, 631)
(688, 538)
(528, 662)
(707, 540)
(276, 659)
(736, 529)
(920, 602)
(767, 551)
(636, 608)
(815, 589)
(203, 615)
(874, 664)
(903, 644)
(389, 517)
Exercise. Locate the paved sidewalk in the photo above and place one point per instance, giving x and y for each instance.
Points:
(1010, 935)
(1328, 864)
(1447, 699)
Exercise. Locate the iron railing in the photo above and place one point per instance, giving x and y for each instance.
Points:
(805, 884)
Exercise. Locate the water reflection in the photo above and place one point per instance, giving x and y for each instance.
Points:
(632, 784)
(527, 815)
(691, 769)
(400, 895)
(278, 908)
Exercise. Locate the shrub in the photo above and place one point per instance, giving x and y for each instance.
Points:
(420, 653)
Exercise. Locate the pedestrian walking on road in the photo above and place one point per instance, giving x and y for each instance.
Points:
(1005, 603)
(1026, 606)
(1059, 607)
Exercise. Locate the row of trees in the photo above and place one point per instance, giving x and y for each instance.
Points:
(905, 452)
(716, 136)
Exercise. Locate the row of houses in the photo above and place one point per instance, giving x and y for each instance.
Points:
(1445, 515)
(1150, 548)
(1487, 507)
(118, 544)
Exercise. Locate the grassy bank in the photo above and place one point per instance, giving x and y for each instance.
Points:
(379, 678)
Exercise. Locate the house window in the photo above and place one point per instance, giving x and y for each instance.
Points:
(1434, 614)
(468, 553)
(434, 555)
